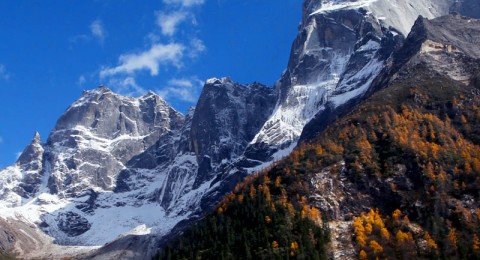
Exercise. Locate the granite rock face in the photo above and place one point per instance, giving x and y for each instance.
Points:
(378, 29)
(109, 153)
(227, 117)
(99, 134)
(341, 47)
(31, 163)
(448, 45)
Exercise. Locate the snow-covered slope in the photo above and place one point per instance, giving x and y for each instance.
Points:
(69, 185)
(332, 59)
(341, 47)
(100, 133)
(23, 179)
(117, 166)
(398, 14)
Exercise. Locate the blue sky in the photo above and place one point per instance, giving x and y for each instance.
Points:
(51, 50)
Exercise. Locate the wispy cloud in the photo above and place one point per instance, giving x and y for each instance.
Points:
(3, 73)
(166, 50)
(196, 48)
(80, 38)
(81, 80)
(169, 22)
(97, 30)
(185, 89)
(126, 86)
(168, 54)
(185, 3)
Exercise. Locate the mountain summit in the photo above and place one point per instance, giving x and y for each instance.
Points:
(395, 177)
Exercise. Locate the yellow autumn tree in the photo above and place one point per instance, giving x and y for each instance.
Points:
(363, 255)
(385, 234)
(293, 248)
(275, 244)
(401, 237)
(452, 239)
(253, 191)
(396, 215)
(375, 246)
(278, 181)
(476, 244)
(432, 245)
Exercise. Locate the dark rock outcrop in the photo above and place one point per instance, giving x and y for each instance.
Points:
(72, 223)
(31, 162)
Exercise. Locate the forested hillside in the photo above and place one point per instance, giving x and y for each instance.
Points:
(266, 217)
(414, 147)
(425, 128)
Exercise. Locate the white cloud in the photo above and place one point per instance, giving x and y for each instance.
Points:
(184, 89)
(185, 3)
(3, 73)
(126, 86)
(196, 48)
(81, 80)
(167, 54)
(153, 38)
(97, 30)
(169, 22)
(166, 50)
(81, 38)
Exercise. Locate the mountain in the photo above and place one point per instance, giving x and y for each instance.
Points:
(119, 176)
(396, 177)
(358, 37)
(135, 160)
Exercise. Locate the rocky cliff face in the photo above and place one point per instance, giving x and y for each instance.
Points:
(23, 179)
(340, 48)
(438, 63)
(111, 156)
(99, 134)
(378, 29)
(447, 44)
(228, 116)
(450, 44)
(117, 167)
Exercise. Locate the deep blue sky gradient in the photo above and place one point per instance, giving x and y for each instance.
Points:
(46, 46)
